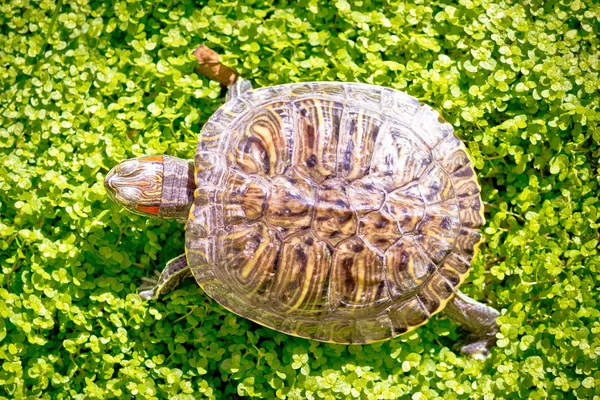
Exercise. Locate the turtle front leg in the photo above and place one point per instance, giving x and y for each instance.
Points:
(175, 271)
(479, 320)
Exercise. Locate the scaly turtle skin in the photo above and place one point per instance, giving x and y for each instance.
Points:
(338, 212)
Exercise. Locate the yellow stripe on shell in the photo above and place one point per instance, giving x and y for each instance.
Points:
(248, 254)
(302, 273)
(358, 278)
(397, 158)
(357, 140)
(261, 145)
(317, 130)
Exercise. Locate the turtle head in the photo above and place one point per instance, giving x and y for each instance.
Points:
(155, 186)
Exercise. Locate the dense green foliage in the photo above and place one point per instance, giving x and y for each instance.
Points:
(88, 84)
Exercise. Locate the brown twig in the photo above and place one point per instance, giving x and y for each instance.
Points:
(211, 67)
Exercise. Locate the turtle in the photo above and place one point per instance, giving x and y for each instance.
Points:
(334, 211)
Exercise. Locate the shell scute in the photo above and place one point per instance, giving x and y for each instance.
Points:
(436, 237)
(263, 145)
(317, 133)
(435, 293)
(467, 241)
(407, 315)
(373, 329)
(364, 94)
(364, 196)
(199, 252)
(309, 88)
(211, 137)
(379, 230)
(209, 169)
(247, 254)
(235, 107)
(408, 267)
(265, 95)
(439, 228)
(337, 331)
(302, 275)
(398, 160)
(243, 199)
(333, 219)
(436, 185)
(451, 154)
(454, 269)
(429, 126)
(229, 112)
(357, 139)
(471, 211)
(358, 277)
(202, 219)
(407, 207)
(318, 89)
(291, 202)
(398, 105)
(465, 183)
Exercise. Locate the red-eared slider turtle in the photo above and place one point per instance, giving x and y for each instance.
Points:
(339, 212)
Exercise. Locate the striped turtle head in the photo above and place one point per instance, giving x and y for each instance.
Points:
(137, 184)
(154, 186)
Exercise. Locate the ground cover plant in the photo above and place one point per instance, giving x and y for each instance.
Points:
(86, 84)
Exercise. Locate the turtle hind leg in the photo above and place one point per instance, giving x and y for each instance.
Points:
(175, 271)
(479, 320)
(239, 87)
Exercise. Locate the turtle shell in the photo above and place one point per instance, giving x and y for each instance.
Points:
(339, 212)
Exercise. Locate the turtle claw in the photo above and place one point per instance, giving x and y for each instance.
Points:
(147, 290)
(147, 294)
(477, 346)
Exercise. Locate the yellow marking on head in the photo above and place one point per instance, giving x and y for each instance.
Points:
(136, 184)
